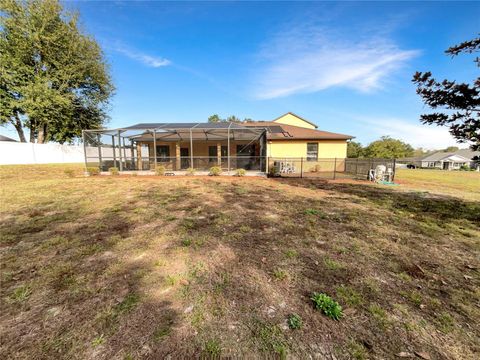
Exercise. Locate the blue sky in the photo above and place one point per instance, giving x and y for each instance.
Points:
(345, 66)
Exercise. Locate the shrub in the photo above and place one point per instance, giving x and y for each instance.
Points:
(113, 171)
(190, 171)
(272, 171)
(294, 321)
(215, 171)
(92, 171)
(240, 172)
(69, 172)
(160, 170)
(134, 174)
(327, 305)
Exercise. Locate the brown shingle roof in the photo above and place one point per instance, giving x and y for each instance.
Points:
(279, 131)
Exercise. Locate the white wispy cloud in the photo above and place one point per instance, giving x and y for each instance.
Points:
(148, 60)
(310, 59)
(415, 134)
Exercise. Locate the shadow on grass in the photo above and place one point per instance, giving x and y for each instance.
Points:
(63, 283)
(438, 208)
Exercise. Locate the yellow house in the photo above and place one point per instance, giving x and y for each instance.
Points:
(300, 138)
(252, 145)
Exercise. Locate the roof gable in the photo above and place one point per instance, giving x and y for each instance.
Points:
(277, 131)
(295, 120)
(462, 153)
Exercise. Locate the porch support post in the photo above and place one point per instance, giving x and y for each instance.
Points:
(114, 154)
(155, 148)
(125, 153)
(228, 148)
(120, 150)
(219, 154)
(178, 162)
(99, 146)
(139, 156)
(191, 149)
(132, 154)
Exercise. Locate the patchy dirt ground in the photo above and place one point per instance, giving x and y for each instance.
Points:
(133, 267)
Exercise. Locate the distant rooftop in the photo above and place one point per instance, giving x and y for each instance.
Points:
(6, 138)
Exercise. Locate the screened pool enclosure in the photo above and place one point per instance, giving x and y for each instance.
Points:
(177, 147)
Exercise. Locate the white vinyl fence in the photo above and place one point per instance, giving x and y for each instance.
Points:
(12, 153)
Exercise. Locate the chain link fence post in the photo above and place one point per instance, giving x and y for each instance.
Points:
(335, 169)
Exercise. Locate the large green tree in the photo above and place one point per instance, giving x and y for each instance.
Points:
(388, 148)
(458, 103)
(354, 149)
(54, 80)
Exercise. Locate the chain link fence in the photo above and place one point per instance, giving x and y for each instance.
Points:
(327, 168)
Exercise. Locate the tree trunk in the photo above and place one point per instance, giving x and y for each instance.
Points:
(18, 126)
(42, 134)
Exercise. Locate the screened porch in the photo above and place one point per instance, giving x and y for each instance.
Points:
(177, 147)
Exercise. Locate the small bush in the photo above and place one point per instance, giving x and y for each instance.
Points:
(215, 171)
(160, 170)
(69, 172)
(113, 171)
(134, 174)
(294, 321)
(240, 172)
(327, 305)
(92, 171)
(190, 171)
(272, 171)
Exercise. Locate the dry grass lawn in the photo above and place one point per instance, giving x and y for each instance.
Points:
(154, 267)
(464, 184)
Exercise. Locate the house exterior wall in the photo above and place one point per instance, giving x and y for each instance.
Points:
(327, 149)
(201, 156)
(289, 119)
(200, 148)
(448, 165)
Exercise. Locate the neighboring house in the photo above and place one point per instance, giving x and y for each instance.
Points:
(6, 138)
(247, 145)
(451, 160)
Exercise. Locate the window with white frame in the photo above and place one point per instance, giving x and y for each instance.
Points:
(312, 151)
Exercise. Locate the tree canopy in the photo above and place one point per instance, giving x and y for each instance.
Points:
(54, 80)
(231, 118)
(388, 148)
(459, 102)
(354, 149)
